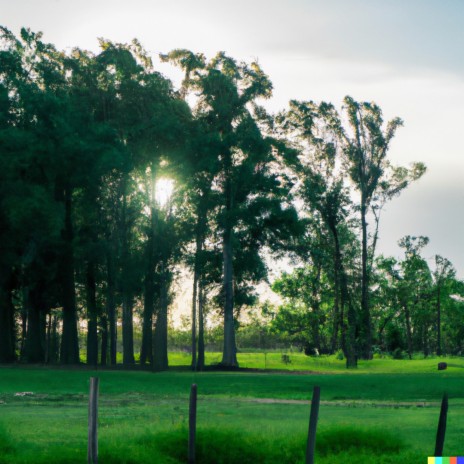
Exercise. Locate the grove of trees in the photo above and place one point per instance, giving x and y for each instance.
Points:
(112, 180)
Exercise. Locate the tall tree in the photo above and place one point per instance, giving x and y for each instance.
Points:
(227, 89)
(365, 144)
(324, 194)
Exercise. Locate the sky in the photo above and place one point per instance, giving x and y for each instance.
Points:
(406, 55)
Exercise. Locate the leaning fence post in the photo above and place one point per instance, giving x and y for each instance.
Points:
(192, 424)
(92, 450)
(311, 445)
(440, 441)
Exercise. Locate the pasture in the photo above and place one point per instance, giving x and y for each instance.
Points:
(387, 410)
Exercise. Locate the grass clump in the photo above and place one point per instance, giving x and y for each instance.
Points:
(356, 441)
(230, 446)
(7, 449)
(214, 446)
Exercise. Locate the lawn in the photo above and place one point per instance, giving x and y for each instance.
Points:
(387, 410)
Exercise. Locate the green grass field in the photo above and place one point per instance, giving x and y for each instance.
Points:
(386, 411)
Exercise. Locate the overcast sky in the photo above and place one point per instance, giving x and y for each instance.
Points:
(406, 55)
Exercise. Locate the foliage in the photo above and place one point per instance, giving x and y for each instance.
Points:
(86, 139)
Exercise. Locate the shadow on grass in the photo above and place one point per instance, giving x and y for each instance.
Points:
(232, 447)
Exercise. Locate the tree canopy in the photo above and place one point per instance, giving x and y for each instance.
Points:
(90, 254)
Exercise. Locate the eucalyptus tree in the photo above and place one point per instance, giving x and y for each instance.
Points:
(102, 154)
(323, 192)
(365, 143)
(38, 84)
(13, 140)
(200, 169)
(203, 202)
(241, 174)
(150, 123)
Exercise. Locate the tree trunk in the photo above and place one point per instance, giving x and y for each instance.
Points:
(69, 341)
(229, 355)
(111, 306)
(201, 325)
(23, 314)
(348, 330)
(92, 314)
(316, 309)
(194, 312)
(104, 340)
(408, 329)
(366, 328)
(146, 352)
(198, 269)
(336, 311)
(34, 348)
(53, 341)
(127, 331)
(7, 320)
(160, 338)
(198, 286)
(439, 351)
(127, 297)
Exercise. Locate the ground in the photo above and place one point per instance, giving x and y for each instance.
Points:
(387, 410)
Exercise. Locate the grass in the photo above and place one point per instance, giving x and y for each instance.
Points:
(299, 361)
(376, 414)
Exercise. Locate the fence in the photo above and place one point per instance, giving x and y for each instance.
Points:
(92, 453)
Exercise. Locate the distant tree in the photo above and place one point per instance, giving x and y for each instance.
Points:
(325, 196)
(443, 276)
(415, 292)
(365, 145)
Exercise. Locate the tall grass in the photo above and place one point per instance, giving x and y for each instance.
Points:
(231, 446)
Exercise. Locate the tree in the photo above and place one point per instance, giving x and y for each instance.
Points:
(365, 144)
(227, 91)
(324, 196)
(415, 291)
(443, 275)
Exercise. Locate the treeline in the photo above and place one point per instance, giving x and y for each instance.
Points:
(415, 309)
(90, 234)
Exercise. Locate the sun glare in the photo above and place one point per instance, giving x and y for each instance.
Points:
(163, 191)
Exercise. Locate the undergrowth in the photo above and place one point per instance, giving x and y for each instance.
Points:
(234, 447)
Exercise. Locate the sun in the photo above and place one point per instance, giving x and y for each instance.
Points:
(163, 191)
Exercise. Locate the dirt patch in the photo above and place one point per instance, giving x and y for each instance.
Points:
(352, 404)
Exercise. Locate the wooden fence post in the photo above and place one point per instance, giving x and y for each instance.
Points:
(440, 441)
(92, 450)
(311, 444)
(192, 424)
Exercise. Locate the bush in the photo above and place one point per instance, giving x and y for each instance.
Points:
(398, 353)
(339, 355)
